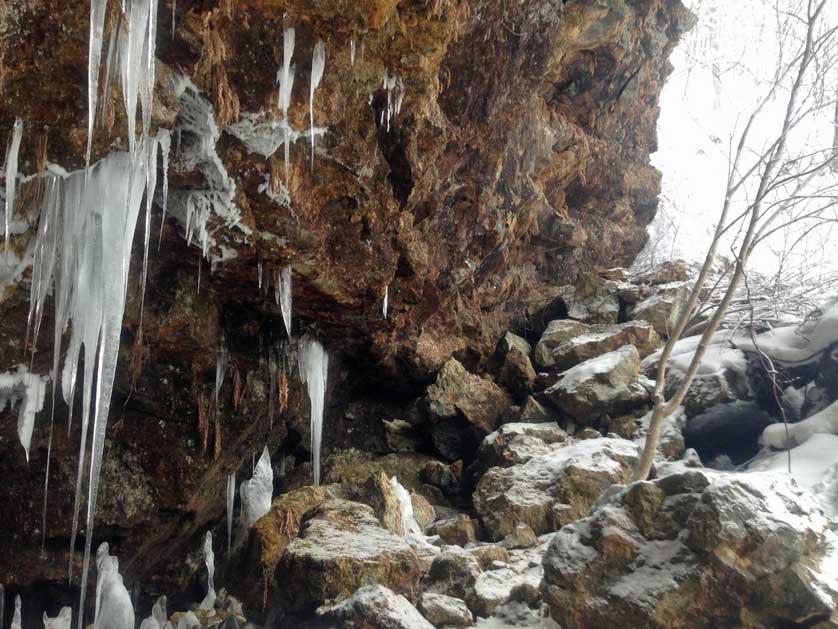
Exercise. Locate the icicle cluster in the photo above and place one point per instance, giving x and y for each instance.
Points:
(113, 603)
(209, 558)
(257, 492)
(314, 369)
(11, 180)
(30, 390)
(395, 97)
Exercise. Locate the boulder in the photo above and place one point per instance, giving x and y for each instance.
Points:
(512, 444)
(402, 436)
(533, 412)
(591, 341)
(607, 384)
(694, 549)
(558, 332)
(378, 493)
(445, 476)
(453, 572)
(444, 611)
(341, 547)
(459, 530)
(592, 299)
(663, 307)
(457, 392)
(550, 490)
(522, 537)
(374, 607)
(516, 372)
(423, 511)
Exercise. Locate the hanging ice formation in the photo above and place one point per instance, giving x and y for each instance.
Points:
(352, 51)
(386, 293)
(395, 97)
(314, 369)
(318, 63)
(257, 492)
(220, 368)
(11, 179)
(286, 83)
(62, 621)
(209, 558)
(30, 390)
(16, 621)
(284, 281)
(94, 56)
(410, 527)
(231, 498)
(164, 138)
(113, 603)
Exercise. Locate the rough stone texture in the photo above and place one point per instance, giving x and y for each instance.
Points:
(550, 490)
(512, 444)
(444, 611)
(375, 607)
(592, 299)
(402, 436)
(569, 345)
(479, 199)
(694, 549)
(459, 530)
(423, 511)
(663, 307)
(340, 548)
(516, 372)
(457, 392)
(607, 384)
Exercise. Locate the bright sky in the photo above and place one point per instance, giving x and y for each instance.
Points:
(722, 67)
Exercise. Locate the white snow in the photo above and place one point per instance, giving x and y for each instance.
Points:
(314, 370)
(822, 422)
(209, 559)
(11, 180)
(113, 603)
(257, 492)
(30, 390)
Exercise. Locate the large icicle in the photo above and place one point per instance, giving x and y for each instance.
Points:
(11, 179)
(220, 368)
(386, 295)
(285, 277)
(98, 9)
(164, 138)
(231, 499)
(314, 369)
(257, 492)
(286, 83)
(151, 184)
(318, 63)
(209, 558)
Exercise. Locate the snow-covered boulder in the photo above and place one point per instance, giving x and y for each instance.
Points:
(784, 436)
(516, 443)
(341, 547)
(607, 384)
(444, 611)
(552, 489)
(565, 344)
(694, 548)
(375, 607)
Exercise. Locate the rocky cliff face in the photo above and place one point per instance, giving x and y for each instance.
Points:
(519, 157)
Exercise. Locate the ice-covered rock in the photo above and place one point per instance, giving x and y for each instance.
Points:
(592, 299)
(728, 549)
(550, 490)
(340, 547)
(608, 384)
(565, 344)
(375, 607)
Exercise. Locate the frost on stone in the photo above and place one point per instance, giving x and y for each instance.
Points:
(231, 498)
(209, 559)
(314, 369)
(11, 180)
(113, 602)
(16, 620)
(318, 63)
(281, 197)
(29, 390)
(62, 621)
(257, 492)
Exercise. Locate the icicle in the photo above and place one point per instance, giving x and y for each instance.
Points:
(272, 374)
(62, 621)
(209, 558)
(94, 57)
(282, 467)
(16, 621)
(318, 63)
(285, 297)
(386, 291)
(257, 492)
(231, 498)
(113, 602)
(410, 527)
(29, 389)
(314, 369)
(164, 138)
(286, 82)
(400, 92)
(151, 184)
(259, 273)
(352, 51)
(11, 179)
(220, 369)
